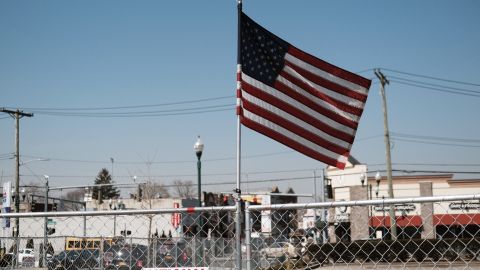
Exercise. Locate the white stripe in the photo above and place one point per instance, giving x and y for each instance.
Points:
(328, 76)
(318, 101)
(269, 107)
(345, 99)
(314, 147)
(271, 91)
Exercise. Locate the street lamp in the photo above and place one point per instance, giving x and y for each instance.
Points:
(198, 147)
(362, 179)
(377, 178)
(115, 205)
(45, 225)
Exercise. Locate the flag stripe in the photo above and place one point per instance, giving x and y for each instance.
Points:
(299, 110)
(303, 84)
(294, 127)
(312, 101)
(334, 117)
(305, 125)
(333, 87)
(291, 140)
(352, 101)
(329, 68)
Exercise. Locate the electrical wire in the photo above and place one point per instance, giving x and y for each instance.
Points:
(435, 143)
(184, 111)
(436, 138)
(430, 77)
(435, 89)
(132, 107)
(436, 85)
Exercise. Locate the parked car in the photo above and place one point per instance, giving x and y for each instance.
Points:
(65, 260)
(125, 257)
(173, 254)
(274, 250)
(25, 255)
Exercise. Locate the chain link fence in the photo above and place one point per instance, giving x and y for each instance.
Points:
(431, 233)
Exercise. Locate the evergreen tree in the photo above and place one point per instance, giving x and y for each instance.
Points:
(107, 192)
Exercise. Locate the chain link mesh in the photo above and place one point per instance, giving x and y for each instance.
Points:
(432, 234)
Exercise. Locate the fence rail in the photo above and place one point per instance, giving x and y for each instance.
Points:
(432, 232)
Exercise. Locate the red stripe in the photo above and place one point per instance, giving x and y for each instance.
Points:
(456, 219)
(438, 219)
(239, 110)
(297, 113)
(312, 105)
(300, 131)
(239, 93)
(327, 84)
(290, 143)
(327, 67)
(337, 103)
(384, 221)
(239, 76)
(190, 210)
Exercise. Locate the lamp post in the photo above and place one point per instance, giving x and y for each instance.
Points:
(362, 179)
(114, 205)
(198, 147)
(377, 178)
(45, 225)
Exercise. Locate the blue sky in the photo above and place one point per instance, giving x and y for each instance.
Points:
(102, 54)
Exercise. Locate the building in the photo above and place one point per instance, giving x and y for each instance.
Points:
(428, 220)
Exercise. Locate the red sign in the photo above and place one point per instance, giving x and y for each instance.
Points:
(176, 216)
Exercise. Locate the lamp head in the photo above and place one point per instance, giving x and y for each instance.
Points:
(198, 147)
(362, 178)
(378, 177)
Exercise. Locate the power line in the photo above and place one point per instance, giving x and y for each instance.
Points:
(430, 77)
(164, 162)
(436, 138)
(435, 89)
(435, 143)
(436, 85)
(134, 106)
(184, 111)
(428, 164)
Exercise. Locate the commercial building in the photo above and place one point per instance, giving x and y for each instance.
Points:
(428, 220)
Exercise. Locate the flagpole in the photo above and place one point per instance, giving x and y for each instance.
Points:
(239, 95)
(238, 227)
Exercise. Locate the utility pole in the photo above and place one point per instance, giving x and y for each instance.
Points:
(383, 82)
(17, 114)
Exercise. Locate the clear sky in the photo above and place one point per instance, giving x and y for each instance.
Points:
(59, 58)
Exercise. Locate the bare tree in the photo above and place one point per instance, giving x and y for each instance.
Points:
(74, 195)
(183, 189)
(151, 190)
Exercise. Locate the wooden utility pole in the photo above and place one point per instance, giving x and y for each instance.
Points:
(17, 114)
(383, 82)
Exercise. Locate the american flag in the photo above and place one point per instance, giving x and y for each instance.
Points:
(297, 99)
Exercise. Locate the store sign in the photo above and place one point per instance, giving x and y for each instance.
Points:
(475, 205)
(398, 207)
(176, 216)
(342, 217)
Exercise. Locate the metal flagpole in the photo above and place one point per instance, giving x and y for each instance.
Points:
(238, 227)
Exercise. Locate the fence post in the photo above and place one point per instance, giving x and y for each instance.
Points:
(248, 235)
(101, 252)
(238, 233)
